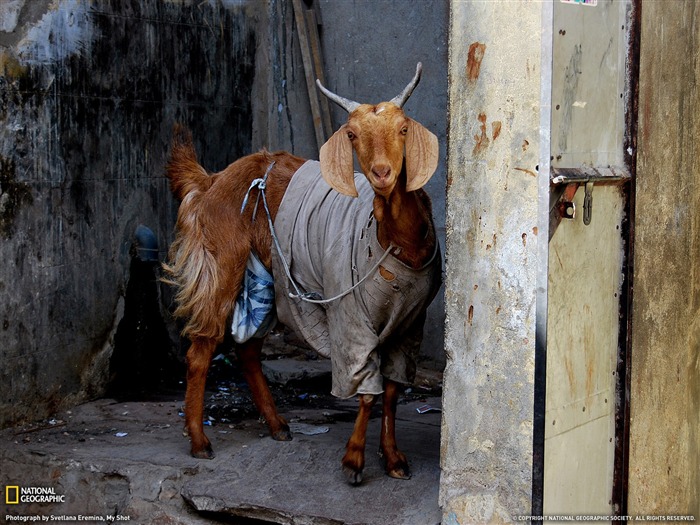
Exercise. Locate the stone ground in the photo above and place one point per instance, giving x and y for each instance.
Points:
(129, 457)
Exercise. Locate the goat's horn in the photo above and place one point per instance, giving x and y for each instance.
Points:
(401, 99)
(346, 104)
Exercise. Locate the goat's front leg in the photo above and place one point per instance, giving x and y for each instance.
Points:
(198, 361)
(354, 459)
(249, 358)
(396, 463)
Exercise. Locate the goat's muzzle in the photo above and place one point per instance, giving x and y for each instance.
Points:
(382, 179)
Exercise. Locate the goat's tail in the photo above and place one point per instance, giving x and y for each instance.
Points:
(191, 268)
(184, 171)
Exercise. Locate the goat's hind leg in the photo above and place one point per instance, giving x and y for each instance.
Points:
(198, 360)
(396, 464)
(249, 359)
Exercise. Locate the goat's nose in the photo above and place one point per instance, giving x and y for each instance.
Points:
(381, 171)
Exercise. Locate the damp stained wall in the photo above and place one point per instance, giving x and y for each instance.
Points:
(665, 375)
(491, 278)
(89, 92)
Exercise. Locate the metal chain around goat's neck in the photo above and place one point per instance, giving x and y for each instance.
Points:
(261, 184)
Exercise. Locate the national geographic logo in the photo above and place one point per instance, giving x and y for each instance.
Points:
(14, 495)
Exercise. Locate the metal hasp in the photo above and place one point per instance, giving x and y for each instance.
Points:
(564, 183)
(588, 204)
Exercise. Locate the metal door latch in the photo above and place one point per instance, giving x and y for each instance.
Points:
(588, 203)
(565, 182)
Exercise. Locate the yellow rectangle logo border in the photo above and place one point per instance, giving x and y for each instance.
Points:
(8, 501)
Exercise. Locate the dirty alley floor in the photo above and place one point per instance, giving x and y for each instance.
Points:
(128, 458)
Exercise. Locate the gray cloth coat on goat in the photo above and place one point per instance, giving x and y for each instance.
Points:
(330, 243)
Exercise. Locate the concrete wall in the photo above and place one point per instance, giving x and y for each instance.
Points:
(665, 395)
(89, 92)
(492, 239)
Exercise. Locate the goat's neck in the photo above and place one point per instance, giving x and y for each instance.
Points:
(404, 220)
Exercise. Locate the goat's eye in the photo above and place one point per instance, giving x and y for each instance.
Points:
(404, 130)
(351, 135)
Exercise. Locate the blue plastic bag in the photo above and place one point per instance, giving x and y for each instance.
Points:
(254, 312)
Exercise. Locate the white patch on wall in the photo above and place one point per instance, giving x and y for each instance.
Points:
(591, 3)
(9, 14)
(62, 32)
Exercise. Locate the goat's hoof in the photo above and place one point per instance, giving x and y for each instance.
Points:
(352, 476)
(399, 473)
(397, 468)
(282, 435)
(204, 453)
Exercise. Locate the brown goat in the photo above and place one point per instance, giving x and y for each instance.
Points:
(214, 240)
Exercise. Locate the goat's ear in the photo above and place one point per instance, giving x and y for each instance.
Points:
(336, 163)
(422, 152)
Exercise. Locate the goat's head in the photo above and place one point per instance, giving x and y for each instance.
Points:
(379, 134)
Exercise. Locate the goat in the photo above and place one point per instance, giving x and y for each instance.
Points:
(214, 239)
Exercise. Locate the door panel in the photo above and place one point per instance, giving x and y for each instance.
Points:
(586, 262)
(582, 345)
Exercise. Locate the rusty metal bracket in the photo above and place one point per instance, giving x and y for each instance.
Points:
(565, 182)
(562, 205)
